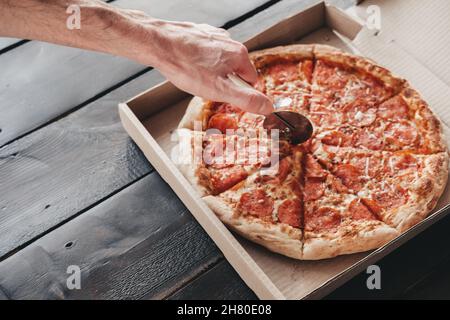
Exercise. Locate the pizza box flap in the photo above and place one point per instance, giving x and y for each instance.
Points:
(150, 117)
(418, 27)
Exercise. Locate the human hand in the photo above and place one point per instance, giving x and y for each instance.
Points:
(198, 58)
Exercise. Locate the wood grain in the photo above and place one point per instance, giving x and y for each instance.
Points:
(140, 243)
(58, 79)
(433, 286)
(220, 282)
(67, 166)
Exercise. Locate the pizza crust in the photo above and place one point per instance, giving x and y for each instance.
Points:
(280, 238)
(357, 236)
(189, 173)
(183, 156)
(424, 194)
(263, 57)
(195, 111)
(427, 118)
(335, 55)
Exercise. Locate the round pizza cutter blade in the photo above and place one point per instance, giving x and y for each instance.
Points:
(292, 126)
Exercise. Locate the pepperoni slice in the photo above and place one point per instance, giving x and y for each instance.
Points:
(284, 167)
(369, 89)
(223, 121)
(372, 205)
(313, 169)
(251, 120)
(392, 199)
(401, 133)
(330, 76)
(369, 139)
(220, 165)
(359, 211)
(322, 219)
(226, 108)
(393, 109)
(226, 178)
(266, 179)
(289, 212)
(360, 115)
(369, 165)
(337, 186)
(403, 162)
(314, 189)
(296, 188)
(284, 71)
(350, 176)
(338, 138)
(256, 203)
(325, 117)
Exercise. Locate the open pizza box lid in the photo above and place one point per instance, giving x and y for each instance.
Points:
(151, 117)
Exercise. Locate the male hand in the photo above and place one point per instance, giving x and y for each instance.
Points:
(198, 58)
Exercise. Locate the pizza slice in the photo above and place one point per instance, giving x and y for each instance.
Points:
(203, 115)
(283, 69)
(344, 84)
(399, 187)
(410, 189)
(214, 163)
(403, 122)
(267, 207)
(336, 221)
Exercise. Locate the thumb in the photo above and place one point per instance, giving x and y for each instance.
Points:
(247, 99)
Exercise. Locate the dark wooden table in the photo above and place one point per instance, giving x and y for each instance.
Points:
(75, 190)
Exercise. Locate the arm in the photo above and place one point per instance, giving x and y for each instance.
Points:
(195, 57)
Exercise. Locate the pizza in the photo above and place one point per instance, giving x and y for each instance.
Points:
(376, 165)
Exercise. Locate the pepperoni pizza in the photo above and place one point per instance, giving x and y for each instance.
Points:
(375, 166)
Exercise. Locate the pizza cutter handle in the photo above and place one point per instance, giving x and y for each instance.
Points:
(239, 81)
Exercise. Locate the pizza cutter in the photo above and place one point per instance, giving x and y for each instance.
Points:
(292, 126)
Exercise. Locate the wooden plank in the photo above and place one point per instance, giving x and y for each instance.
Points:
(67, 166)
(58, 79)
(433, 286)
(140, 243)
(220, 282)
(405, 267)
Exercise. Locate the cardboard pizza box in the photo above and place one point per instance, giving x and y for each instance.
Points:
(151, 117)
